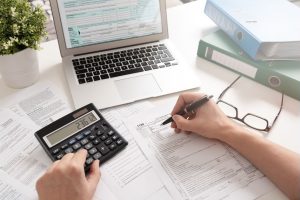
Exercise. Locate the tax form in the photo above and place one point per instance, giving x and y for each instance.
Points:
(11, 190)
(41, 103)
(17, 163)
(194, 167)
(130, 174)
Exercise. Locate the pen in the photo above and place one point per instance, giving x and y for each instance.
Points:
(190, 108)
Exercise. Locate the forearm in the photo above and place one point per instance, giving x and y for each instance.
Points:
(279, 164)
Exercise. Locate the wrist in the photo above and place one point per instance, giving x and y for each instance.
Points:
(230, 131)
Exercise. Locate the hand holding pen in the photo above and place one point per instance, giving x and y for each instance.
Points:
(208, 120)
(190, 108)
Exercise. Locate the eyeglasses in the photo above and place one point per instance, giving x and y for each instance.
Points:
(251, 120)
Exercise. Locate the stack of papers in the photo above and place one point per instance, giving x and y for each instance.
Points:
(157, 163)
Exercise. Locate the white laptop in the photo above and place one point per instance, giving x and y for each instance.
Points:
(116, 51)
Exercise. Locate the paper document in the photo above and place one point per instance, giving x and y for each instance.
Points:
(12, 190)
(43, 103)
(194, 167)
(130, 175)
(17, 147)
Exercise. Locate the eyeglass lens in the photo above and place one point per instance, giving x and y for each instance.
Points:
(249, 119)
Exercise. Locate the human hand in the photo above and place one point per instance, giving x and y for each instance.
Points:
(208, 121)
(66, 179)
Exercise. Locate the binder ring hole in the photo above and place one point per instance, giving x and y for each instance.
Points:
(239, 35)
(274, 81)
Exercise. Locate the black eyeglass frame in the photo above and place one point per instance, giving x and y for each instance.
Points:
(268, 127)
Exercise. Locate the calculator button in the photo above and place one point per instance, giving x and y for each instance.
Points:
(91, 137)
(59, 156)
(115, 137)
(88, 146)
(69, 150)
(103, 137)
(99, 133)
(84, 141)
(94, 128)
(103, 149)
(76, 146)
(55, 151)
(72, 141)
(104, 126)
(79, 137)
(64, 146)
(89, 161)
(86, 133)
(96, 141)
(92, 151)
(108, 141)
(111, 132)
(97, 156)
(119, 142)
(112, 146)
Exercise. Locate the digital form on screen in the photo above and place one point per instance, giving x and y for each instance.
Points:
(70, 129)
(88, 22)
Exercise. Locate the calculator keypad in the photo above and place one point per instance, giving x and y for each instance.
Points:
(100, 140)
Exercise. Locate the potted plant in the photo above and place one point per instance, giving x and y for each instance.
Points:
(22, 28)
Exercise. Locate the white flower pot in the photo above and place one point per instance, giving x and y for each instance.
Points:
(21, 69)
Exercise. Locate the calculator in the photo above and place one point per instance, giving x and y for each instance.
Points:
(84, 128)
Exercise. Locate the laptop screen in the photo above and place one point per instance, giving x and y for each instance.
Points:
(89, 22)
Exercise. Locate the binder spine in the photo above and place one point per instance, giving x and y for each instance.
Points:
(233, 29)
(259, 74)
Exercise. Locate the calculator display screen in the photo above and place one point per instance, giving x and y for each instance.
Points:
(71, 128)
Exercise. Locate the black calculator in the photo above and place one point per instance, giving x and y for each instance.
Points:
(84, 128)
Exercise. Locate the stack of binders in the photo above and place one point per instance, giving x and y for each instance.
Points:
(260, 45)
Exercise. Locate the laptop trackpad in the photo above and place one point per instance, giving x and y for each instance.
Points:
(138, 87)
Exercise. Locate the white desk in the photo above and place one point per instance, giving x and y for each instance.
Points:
(187, 24)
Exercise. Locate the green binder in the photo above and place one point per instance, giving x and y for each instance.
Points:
(283, 76)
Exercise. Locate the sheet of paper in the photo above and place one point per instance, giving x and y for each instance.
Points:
(43, 103)
(16, 150)
(130, 175)
(194, 167)
(103, 192)
(12, 190)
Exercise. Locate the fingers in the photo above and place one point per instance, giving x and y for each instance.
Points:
(94, 175)
(173, 125)
(183, 100)
(181, 123)
(67, 157)
(77, 159)
(80, 157)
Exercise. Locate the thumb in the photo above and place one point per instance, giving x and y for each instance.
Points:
(94, 175)
(182, 123)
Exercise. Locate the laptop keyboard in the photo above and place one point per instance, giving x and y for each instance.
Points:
(119, 63)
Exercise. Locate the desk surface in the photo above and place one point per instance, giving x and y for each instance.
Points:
(187, 24)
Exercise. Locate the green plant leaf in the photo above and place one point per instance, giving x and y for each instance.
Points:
(21, 26)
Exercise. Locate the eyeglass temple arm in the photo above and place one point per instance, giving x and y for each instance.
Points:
(225, 90)
(281, 105)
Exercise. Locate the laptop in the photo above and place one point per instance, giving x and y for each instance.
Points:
(116, 51)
